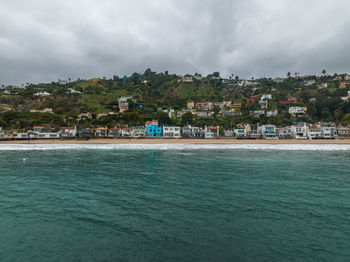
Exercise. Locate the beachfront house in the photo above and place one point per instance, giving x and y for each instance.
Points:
(42, 129)
(115, 132)
(40, 135)
(101, 132)
(172, 131)
(152, 129)
(211, 131)
(285, 133)
(240, 132)
(328, 131)
(69, 132)
(253, 131)
(300, 130)
(229, 132)
(138, 131)
(269, 132)
(192, 132)
(343, 132)
(85, 133)
(126, 132)
(315, 132)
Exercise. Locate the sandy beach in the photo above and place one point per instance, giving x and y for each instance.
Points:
(221, 141)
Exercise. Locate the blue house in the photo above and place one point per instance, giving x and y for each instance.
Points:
(152, 129)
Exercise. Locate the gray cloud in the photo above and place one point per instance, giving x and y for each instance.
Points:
(45, 40)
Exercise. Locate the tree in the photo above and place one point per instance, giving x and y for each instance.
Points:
(324, 72)
(187, 119)
(163, 118)
(288, 74)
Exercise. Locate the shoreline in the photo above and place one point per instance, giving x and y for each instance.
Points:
(179, 141)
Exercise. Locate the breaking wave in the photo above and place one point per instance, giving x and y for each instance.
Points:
(295, 147)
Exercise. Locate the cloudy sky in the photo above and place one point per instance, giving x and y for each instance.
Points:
(44, 40)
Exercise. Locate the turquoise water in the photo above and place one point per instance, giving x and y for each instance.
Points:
(174, 205)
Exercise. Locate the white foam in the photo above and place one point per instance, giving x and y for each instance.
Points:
(296, 147)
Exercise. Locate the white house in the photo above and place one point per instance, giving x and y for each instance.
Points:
(328, 132)
(272, 113)
(42, 94)
(138, 131)
(39, 135)
(315, 132)
(309, 82)
(297, 110)
(124, 98)
(172, 131)
(299, 130)
(323, 85)
(266, 97)
(240, 133)
(70, 131)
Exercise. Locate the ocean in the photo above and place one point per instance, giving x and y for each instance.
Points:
(174, 203)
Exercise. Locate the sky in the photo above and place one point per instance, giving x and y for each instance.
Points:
(43, 41)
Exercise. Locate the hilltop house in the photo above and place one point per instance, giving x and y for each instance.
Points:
(125, 98)
(309, 82)
(172, 131)
(292, 100)
(190, 105)
(257, 113)
(266, 97)
(45, 110)
(84, 116)
(187, 79)
(271, 113)
(342, 85)
(297, 110)
(123, 106)
(252, 100)
(152, 129)
(42, 94)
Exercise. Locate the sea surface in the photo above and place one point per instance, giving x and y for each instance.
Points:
(174, 203)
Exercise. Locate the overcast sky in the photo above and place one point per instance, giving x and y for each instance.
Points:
(44, 40)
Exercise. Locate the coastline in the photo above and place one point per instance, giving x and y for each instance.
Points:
(179, 141)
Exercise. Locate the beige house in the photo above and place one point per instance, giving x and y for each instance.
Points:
(123, 106)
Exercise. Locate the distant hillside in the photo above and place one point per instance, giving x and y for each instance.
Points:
(325, 98)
